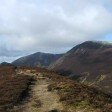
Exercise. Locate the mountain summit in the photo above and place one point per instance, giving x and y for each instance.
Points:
(81, 57)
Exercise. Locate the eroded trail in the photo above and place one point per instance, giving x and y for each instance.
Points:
(43, 100)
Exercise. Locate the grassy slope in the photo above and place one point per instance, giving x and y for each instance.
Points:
(12, 88)
(73, 94)
(80, 96)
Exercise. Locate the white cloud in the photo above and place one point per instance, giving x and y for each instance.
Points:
(51, 26)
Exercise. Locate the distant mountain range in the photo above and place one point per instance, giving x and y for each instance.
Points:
(89, 62)
(37, 60)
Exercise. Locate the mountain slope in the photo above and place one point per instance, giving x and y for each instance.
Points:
(37, 59)
(90, 60)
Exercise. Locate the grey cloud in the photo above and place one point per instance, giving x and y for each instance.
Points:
(51, 26)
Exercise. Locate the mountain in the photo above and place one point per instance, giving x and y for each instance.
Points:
(37, 59)
(6, 64)
(91, 62)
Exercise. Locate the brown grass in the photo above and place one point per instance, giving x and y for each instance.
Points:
(7, 70)
(75, 94)
(13, 88)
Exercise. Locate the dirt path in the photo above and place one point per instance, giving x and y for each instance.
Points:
(43, 100)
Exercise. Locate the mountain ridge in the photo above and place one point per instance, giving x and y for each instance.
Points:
(38, 59)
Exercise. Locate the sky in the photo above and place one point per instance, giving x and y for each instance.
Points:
(54, 26)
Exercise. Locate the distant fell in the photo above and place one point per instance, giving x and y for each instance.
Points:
(38, 59)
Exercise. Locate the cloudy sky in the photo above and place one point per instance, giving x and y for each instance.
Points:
(54, 26)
